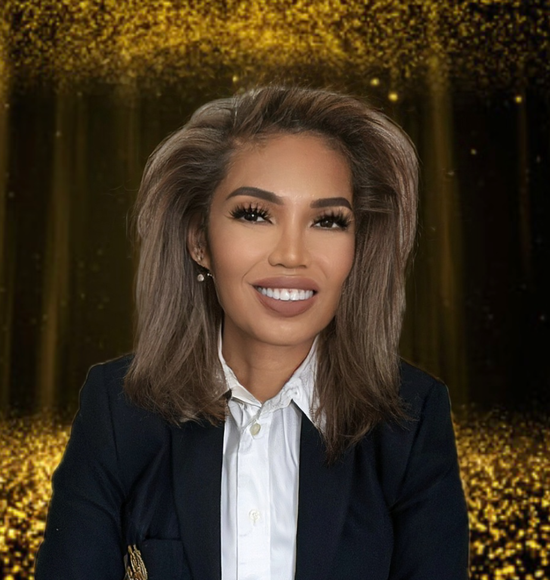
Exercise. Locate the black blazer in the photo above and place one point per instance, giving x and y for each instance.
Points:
(392, 509)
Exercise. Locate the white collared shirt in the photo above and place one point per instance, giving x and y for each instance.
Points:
(260, 469)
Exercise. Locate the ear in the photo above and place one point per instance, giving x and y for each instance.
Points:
(196, 244)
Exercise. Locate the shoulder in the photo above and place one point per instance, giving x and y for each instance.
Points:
(419, 388)
(104, 385)
(409, 446)
(114, 370)
(131, 436)
(102, 394)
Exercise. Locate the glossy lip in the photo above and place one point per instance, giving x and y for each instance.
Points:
(286, 308)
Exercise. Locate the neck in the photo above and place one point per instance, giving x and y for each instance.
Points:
(262, 368)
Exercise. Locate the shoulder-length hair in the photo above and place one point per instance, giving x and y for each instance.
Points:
(176, 371)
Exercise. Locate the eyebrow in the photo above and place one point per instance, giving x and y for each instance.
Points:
(274, 198)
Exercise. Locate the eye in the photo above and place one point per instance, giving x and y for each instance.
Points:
(250, 213)
(333, 221)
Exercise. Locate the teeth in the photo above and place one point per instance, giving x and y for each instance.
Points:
(286, 294)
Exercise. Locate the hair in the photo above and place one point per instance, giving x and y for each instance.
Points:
(176, 371)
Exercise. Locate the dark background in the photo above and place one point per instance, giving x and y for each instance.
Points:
(467, 80)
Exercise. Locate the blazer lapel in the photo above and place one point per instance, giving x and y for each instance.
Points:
(322, 499)
(196, 469)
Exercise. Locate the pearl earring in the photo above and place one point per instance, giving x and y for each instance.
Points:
(200, 276)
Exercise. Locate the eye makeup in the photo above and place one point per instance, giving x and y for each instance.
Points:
(333, 218)
(254, 212)
(250, 212)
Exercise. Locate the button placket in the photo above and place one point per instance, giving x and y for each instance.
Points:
(253, 497)
(257, 488)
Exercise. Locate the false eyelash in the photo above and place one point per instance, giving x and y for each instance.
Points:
(242, 211)
(338, 218)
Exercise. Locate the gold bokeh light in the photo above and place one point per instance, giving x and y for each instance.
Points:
(505, 468)
(481, 41)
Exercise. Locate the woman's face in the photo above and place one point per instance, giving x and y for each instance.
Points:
(281, 240)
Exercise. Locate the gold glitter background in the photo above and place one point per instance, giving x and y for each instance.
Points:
(505, 468)
(478, 42)
(398, 48)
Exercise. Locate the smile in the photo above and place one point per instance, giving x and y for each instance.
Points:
(285, 294)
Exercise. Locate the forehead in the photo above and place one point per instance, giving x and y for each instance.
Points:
(303, 164)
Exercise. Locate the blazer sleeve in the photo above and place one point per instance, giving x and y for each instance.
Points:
(430, 516)
(83, 529)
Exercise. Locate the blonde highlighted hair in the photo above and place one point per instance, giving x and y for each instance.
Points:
(175, 370)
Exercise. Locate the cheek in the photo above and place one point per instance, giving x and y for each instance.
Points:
(232, 257)
(338, 260)
(347, 261)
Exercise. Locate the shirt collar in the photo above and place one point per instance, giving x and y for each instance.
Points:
(301, 384)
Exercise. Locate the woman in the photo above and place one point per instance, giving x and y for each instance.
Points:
(265, 426)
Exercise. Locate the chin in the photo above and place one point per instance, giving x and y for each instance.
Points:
(286, 337)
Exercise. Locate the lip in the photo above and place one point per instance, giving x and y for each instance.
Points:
(287, 282)
(285, 308)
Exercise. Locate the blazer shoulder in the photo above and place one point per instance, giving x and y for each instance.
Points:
(426, 432)
(418, 385)
(106, 380)
(114, 370)
(113, 421)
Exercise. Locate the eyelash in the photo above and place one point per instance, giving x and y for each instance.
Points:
(337, 217)
(244, 211)
(256, 211)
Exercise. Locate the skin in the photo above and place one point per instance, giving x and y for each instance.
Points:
(294, 240)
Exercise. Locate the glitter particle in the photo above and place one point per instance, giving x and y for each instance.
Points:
(477, 41)
(504, 463)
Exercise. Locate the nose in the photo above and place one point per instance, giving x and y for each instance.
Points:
(290, 249)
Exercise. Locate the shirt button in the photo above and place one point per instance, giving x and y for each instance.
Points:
(255, 429)
(254, 516)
